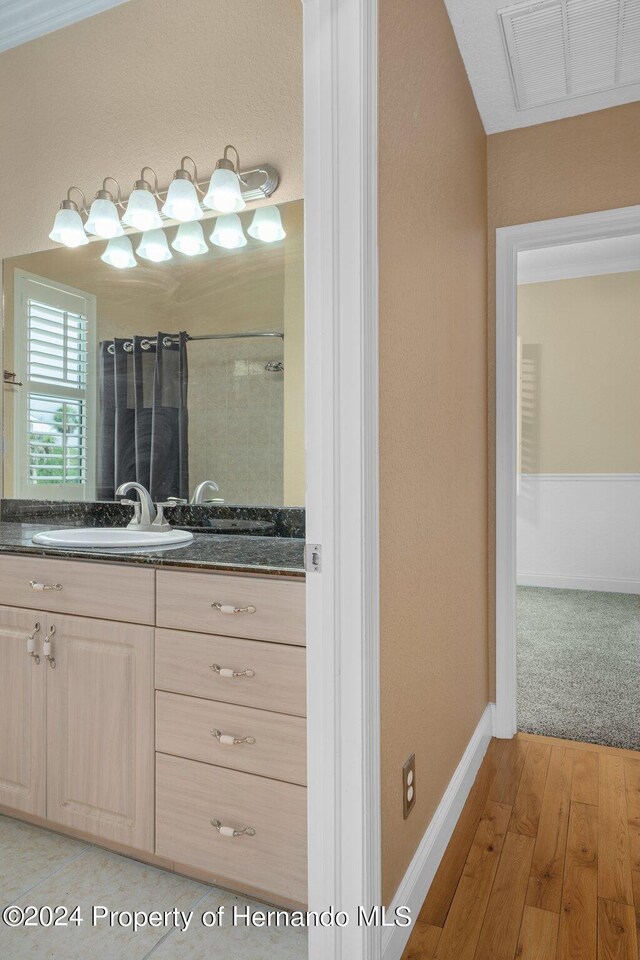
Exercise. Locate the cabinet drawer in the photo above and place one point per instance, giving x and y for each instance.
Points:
(190, 795)
(186, 727)
(268, 609)
(185, 661)
(105, 591)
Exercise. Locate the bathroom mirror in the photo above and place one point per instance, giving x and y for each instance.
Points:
(175, 370)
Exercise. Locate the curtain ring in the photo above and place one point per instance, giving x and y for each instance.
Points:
(167, 341)
(145, 344)
(111, 348)
(128, 346)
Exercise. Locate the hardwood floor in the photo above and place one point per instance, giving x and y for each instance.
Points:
(544, 863)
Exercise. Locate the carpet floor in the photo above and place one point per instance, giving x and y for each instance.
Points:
(579, 665)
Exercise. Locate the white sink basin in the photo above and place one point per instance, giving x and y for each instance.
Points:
(111, 537)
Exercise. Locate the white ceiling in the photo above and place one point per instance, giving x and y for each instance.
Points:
(477, 27)
(589, 259)
(22, 20)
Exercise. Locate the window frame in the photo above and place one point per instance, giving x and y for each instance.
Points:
(59, 296)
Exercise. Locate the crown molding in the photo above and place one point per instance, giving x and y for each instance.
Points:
(24, 20)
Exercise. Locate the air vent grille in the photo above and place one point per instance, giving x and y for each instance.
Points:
(567, 48)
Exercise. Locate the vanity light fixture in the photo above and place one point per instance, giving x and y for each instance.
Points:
(104, 220)
(182, 197)
(119, 253)
(142, 207)
(153, 246)
(147, 209)
(224, 193)
(228, 232)
(267, 225)
(190, 240)
(68, 227)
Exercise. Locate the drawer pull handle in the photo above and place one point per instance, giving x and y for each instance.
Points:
(35, 585)
(230, 832)
(229, 741)
(31, 644)
(228, 672)
(228, 609)
(46, 648)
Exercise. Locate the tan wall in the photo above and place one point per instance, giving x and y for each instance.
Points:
(582, 414)
(433, 460)
(578, 165)
(146, 82)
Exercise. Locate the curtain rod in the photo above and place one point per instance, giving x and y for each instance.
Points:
(149, 342)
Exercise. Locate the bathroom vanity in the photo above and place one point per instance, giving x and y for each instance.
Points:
(156, 705)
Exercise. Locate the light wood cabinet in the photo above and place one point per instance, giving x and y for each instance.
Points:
(22, 713)
(77, 730)
(100, 730)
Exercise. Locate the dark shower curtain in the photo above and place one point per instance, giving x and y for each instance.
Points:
(143, 416)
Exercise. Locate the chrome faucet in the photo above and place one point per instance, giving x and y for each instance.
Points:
(198, 493)
(145, 512)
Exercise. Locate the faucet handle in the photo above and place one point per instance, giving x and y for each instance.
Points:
(135, 520)
(160, 524)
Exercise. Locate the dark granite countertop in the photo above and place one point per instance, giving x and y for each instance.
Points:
(276, 556)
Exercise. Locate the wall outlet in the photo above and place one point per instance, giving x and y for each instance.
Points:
(409, 786)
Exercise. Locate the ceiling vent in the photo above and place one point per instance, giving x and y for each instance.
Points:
(559, 49)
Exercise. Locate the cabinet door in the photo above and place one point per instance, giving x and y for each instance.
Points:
(22, 712)
(100, 729)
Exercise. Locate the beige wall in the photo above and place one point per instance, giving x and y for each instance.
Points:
(146, 82)
(581, 357)
(558, 169)
(433, 460)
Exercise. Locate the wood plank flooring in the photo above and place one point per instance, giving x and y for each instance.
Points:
(544, 862)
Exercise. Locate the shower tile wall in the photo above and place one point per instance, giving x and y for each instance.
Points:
(237, 438)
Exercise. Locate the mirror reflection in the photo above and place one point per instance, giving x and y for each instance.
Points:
(187, 369)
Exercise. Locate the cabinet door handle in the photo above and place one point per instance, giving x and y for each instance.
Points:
(229, 740)
(230, 832)
(31, 644)
(46, 648)
(229, 672)
(228, 609)
(36, 585)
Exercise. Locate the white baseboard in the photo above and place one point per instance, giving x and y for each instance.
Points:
(578, 583)
(422, 869)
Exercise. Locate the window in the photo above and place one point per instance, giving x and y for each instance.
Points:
(54, 442)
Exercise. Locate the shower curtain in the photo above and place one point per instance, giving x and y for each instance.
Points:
(143, 416)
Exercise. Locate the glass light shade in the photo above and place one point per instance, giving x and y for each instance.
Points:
(68, 229)
(104, 220)
(153, 246)
(224, 192)
(190, 240)
(267, 225)
(142, 211)
(228, 232)
(182, 201)
(119, 253)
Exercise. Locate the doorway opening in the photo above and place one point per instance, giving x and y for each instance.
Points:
(568, 492)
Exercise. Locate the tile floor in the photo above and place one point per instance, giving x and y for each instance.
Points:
(38, 867)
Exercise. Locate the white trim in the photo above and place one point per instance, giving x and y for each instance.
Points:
(594, 268)
(340, 95)
(578, 583)
(422, 869)
(509, 242)
(44, 16)
(581, 477)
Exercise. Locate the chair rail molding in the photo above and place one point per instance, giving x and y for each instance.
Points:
(510, 241)
(341, 370)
